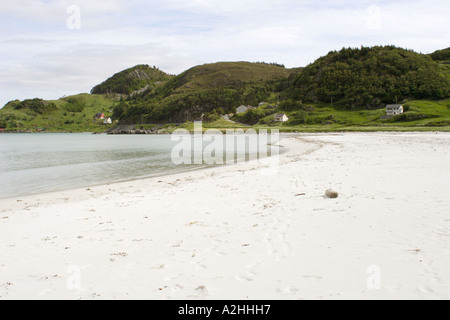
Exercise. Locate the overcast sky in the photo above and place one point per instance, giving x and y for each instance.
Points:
(51, 48)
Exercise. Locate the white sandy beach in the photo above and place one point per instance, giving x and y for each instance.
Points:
(234, 233)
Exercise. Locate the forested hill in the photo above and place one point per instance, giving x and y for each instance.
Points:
(370, 77)
(131, 80)
(213, 89)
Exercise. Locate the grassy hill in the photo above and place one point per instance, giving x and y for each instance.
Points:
(224, 75)
(127, 82)
(208, 90)
(442, 57)
(69, 114)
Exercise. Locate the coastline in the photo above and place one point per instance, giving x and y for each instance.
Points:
(292, 130)
(10, 202)
(55, 190)
(233, 233)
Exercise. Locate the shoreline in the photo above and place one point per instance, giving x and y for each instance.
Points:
(145, 177)
(233, 232)
(294, 130)
(120, 184)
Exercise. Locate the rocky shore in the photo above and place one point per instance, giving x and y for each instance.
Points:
(131, 129)
(135, 131)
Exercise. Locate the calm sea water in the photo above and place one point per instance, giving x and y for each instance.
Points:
(39, 163)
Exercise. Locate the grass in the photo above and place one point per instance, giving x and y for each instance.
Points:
(61, 120)
(224, 124)
(224, 74)
(445, 68)
(423, 115)
(330, 119)
(436, 117)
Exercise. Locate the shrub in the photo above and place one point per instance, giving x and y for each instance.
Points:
(408, 117)
(74, 105)
(37, 105)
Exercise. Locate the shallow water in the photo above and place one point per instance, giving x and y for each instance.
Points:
(39, 163)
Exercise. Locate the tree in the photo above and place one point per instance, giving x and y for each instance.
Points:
(370, 77)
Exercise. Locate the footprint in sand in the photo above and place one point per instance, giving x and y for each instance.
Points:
(288, 290)
(220, 254)
(276, 236)
(312, 278)
(430, 273)
(425, 290)
(244, 278)
(249, 276)
(296, 183)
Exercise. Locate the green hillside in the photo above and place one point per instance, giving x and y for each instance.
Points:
(224, 75)
(342, 91)
(70, 114)
(370, 78)
(419, 115)
(131, 80)
(443, 58)
(210, 90)
(441, 55)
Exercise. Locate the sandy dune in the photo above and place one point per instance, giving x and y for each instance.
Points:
(235, 233)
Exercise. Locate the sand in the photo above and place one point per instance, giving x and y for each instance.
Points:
(235, 233)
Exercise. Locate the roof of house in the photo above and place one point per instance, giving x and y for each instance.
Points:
(394, 106)
(280, 115)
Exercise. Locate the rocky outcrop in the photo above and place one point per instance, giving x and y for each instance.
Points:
(131, 129)
(135, 131)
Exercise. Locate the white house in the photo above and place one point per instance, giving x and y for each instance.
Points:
(394, 110)
(241, 109)
(107, 121)
(281, 118)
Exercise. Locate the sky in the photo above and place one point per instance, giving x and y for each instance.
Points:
(52, 48)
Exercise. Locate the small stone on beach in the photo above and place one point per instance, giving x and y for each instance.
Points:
(331, 194)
